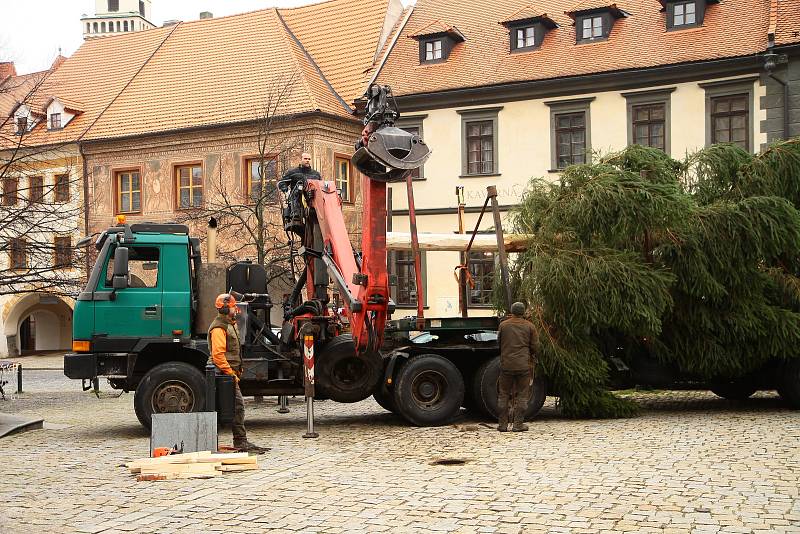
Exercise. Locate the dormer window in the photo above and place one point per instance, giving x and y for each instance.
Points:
(527, 28)
(436, 41)
(595, 24)
(433, 50)
(22, 125)
(682, 14)
(60, 111)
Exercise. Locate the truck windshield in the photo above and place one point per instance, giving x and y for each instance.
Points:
(142, 267)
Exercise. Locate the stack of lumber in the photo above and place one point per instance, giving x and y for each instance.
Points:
(205, 464)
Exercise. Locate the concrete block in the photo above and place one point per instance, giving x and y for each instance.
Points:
(196, 431)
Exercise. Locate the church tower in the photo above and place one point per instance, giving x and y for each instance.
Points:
(117, 16)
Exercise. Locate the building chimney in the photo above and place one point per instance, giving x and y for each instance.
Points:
(7, 69)
(206, 15)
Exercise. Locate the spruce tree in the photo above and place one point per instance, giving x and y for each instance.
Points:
(640, 257)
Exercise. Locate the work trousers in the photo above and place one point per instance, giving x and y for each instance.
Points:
(514, 390)
(239, 432)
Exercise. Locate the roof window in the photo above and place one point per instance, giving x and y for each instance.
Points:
(436, 41)
(682, 14)
(594, 20)
(527, 28)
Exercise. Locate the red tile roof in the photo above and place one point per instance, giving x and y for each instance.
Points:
(787, 26)
(526, 12)
(637, 41)
(222, 70)
(94, 75)
(433, 27)
(588, 5)
(343, 37)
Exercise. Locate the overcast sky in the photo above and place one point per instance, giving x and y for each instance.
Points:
(32, 31)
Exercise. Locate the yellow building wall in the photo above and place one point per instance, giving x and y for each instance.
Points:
(524, 147)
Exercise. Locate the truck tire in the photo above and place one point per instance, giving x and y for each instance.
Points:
(429, 390)
(168, 388)
(343, 376)
(385, 398)
(734, 390)
(789, 385)
(484, 389)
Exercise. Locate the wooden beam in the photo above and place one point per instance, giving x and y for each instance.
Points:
(456, 242)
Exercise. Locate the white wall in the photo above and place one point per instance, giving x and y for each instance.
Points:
(524, 152)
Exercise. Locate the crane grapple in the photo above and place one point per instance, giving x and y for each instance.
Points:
(385, 152)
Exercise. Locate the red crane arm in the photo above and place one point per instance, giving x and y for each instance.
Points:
(364, 290)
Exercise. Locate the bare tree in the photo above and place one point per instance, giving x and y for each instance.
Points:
(249, 210)
(40, 194)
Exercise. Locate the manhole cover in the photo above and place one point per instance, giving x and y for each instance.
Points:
(449, 461)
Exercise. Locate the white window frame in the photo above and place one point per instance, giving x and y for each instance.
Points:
(594, 26)
(432, 51)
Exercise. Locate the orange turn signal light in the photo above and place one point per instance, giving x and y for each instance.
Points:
(81, 346)
(177, 332)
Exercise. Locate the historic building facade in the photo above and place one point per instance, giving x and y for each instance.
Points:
(523, 90)
(159, 124)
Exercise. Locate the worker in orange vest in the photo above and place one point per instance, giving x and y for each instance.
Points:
(223, 339)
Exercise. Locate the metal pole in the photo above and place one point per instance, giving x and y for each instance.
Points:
(19, 378)
(463, 297)
(412, 220)
(501, 247)
(283, 400)
(308, 365)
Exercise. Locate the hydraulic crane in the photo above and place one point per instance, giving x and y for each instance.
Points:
(384, 154)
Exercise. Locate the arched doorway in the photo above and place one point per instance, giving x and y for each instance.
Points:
(36, 322)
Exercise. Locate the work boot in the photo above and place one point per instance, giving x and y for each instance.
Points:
(519, 427)
(502, 424)
(246, 446)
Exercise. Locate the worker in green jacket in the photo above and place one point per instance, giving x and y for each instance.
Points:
(519, 345)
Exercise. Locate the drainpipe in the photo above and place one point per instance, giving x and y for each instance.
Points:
(85, 201)
(771, 61)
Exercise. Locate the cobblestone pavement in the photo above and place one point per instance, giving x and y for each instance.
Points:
(689, 463)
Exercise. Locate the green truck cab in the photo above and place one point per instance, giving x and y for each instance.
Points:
(136, 318)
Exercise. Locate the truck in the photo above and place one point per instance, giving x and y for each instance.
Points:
(142, 319)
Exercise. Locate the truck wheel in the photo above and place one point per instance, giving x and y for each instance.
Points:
(343, 376)
(485, 393)
(429, 390)
(385, 398)
(789, 386)
(169, 388)
(734, 390)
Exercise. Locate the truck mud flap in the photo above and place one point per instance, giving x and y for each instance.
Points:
(80, 365)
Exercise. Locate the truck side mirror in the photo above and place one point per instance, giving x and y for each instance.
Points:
(120, 280)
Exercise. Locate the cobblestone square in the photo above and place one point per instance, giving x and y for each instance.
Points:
(691, 462)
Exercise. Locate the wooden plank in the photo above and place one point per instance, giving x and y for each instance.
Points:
(194, 457)
(241, 461)
(241, 467)
(181, 468)
(456, 242)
